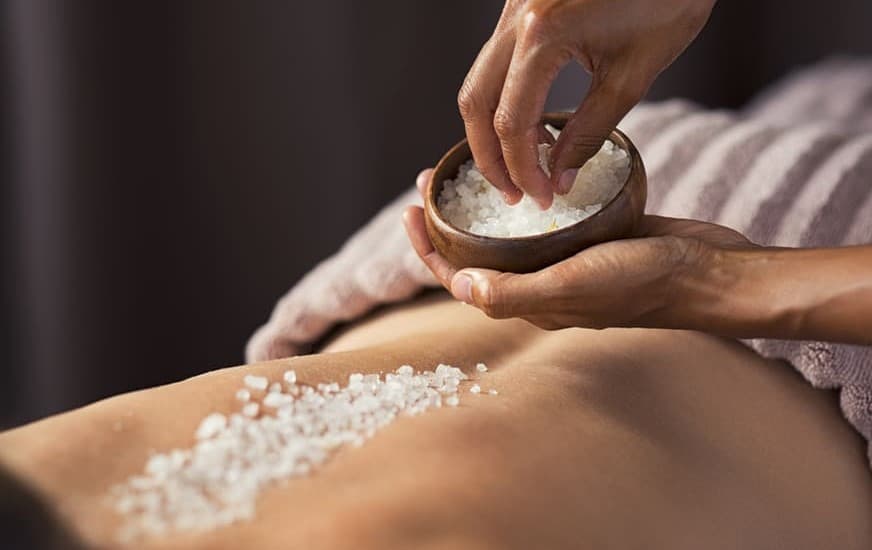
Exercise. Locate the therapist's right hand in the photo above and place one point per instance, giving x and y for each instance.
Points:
(624, 44)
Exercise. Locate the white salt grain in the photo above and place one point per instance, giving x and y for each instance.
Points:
(251, 409)
(211, 425)
(243, 395)
(481, 367)
(493, 392)
(256, 382)
(471, 203)
(275, 387)
(475, 389)
(290, 377)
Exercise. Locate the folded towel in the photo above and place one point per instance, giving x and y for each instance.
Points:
(792, 169)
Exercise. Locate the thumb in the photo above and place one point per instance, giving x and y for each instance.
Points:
(499, 295)
(606, 103)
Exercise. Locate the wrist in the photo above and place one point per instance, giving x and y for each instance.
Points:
(733, 292)
(796, 294)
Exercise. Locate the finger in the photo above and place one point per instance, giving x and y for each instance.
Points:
(606, 103)
(518, 116)
(478, 100)
(413, 220)
(500, 295)
(422, 180)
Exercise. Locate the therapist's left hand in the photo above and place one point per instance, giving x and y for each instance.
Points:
(662, 278)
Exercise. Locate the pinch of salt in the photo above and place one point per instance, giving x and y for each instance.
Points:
(290, 377)
(256, 382)
(475, 389)
(243, 395)
(481, 367)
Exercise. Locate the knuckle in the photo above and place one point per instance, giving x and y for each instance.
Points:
(467, 100)
(491, 300)
(537, 23)
(506, 124)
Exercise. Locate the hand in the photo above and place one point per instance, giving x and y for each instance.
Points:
(624, 44)
(648, 281)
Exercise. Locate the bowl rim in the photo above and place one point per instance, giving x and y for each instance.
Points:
(616, 136)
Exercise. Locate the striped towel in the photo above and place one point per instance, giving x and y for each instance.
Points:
(792, 169)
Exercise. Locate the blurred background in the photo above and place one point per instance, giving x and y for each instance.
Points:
(169, 168)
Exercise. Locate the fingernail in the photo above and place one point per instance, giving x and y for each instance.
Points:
(567, 179)
(513, 198)
(461, 287)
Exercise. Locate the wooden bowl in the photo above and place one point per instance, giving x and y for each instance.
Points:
(618, 219)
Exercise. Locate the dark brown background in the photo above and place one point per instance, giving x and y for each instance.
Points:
(169, 168)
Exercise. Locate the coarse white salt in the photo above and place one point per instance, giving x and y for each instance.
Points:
(475, 389)
(471, 203)
(290, 377)
(275, 387)
(217, 480)
(243, 395)
(256, 382)
(481, 367)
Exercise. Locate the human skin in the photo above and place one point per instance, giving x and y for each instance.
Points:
(624, 44)
(677, 274)
(622, 438)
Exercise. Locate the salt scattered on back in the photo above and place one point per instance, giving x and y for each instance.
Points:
(218, 480)
(475, 389)
(481, 367)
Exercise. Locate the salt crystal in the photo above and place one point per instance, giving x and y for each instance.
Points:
(251, 409)
(406, 370)
(275, 387)
(290, 377)
(276, 400)
(211, 425)
(493, 392)
(243, 395)
(481, 367)
(475, 389)
(256, 382)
